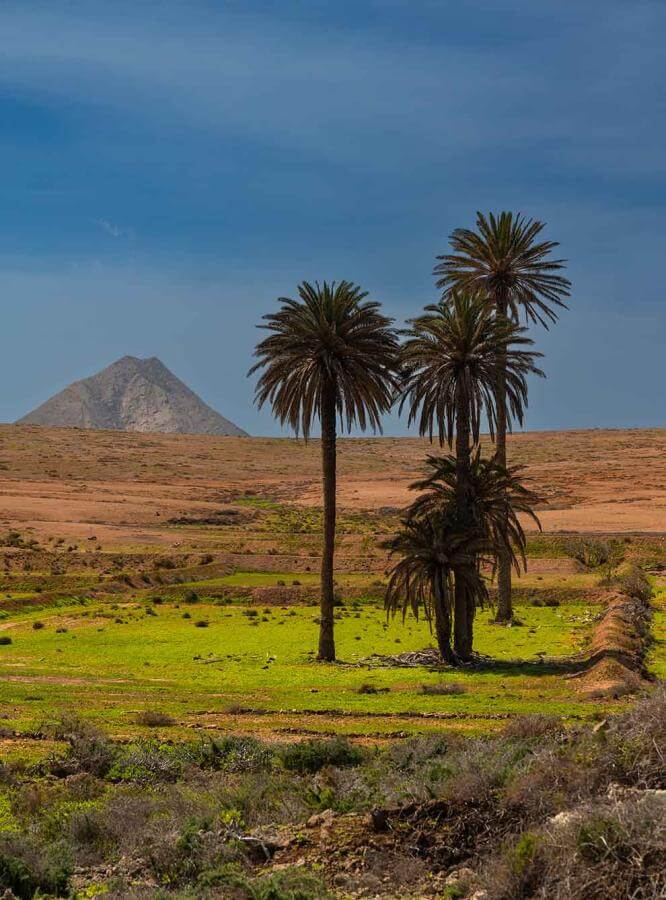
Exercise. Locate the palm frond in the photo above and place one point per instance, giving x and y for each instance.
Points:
(330, 337)
(431, 549)
(496, 498)
(505, 258)
(458, 349)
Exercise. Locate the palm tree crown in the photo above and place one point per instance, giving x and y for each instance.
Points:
(496, 497)
(453, 354)
(331, 339)
(504, 258)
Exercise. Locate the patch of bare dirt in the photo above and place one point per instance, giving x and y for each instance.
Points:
(126, 486)
(401, 852)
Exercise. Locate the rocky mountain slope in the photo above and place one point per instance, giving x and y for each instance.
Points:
(132, 395)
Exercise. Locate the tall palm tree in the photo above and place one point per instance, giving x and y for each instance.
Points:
(330, 354)
(432, 548)
(505, 258)
(451, 361)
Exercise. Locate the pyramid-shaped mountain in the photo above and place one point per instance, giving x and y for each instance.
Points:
(132, 395)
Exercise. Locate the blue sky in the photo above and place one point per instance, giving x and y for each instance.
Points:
(171, 168)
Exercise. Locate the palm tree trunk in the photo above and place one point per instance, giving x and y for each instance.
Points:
(462, 638)
(443, 623)
(471, 612)
(328, 460)
(504, 607)
(462, 643)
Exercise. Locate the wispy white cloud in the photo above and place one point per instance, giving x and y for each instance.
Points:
(115, 231)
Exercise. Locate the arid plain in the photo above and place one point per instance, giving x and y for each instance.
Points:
(125, 487)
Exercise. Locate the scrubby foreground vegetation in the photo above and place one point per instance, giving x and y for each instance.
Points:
(536, 811)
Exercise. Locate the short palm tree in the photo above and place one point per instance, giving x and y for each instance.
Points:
(437, 554)
(506, 259)
(330, 354)
(432, 548)
(496, 497)
(451, 361)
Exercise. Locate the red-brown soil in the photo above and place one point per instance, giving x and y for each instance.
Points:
(123, 487)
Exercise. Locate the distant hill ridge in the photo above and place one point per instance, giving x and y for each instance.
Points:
(132, 395)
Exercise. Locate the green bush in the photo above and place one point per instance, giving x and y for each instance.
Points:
(311, 756)
(148, 762)
(444, 689)
(153, 718)
(635, 584)
(28, 870)
(232, 753)
(288, 884)
(594, 553)
(89, 750)
(599, 838)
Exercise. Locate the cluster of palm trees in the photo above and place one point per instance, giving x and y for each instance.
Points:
(332, 355)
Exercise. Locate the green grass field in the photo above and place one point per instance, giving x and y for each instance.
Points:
(111, 663)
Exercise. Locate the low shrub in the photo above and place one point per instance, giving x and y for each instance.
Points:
(594, 553)
(233, 753)
(89, 750)
(28, 870)
(532, 727)
(371, 689)
(147, 762)
(311, 756)
(634, 748)
(152, 718)
(606, 849)
(635, 584)
(444, 689)
(287, 884)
